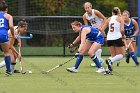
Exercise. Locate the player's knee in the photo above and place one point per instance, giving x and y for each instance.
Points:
(90, 53)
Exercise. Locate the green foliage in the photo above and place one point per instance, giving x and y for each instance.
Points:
(64, 7)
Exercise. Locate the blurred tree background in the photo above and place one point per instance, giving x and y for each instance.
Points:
(61, 7)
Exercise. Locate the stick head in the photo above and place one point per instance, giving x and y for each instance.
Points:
(44, 72)
(31, 35)
(23, 72)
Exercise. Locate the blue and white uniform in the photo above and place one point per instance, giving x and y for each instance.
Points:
(4, 26)
(94, 35)
(129, 29)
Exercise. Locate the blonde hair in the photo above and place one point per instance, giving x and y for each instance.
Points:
(116, 11)
(87, 3)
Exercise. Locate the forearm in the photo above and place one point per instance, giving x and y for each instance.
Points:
(12, 30)
(14, 50)
(78, 39)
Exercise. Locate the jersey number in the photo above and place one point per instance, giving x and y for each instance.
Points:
(1, 22)
(112, 27)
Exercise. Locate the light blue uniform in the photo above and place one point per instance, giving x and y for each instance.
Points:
(94, 35)
(4, 26)
(129, 29)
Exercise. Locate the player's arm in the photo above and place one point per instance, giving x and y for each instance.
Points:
(100, 15)
(104, 27)
(11, 26)
(84, 32)
(85, 20)
(77, 40)
(122, 26)
(136, 27)
(12, 40)
(19, 42)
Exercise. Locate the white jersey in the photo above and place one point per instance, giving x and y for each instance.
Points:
(15, 29)
(114, 29)
(94, 20)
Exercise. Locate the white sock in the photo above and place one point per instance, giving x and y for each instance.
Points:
(98, 54)
(116, 58)
(13, 66)
(2, 64)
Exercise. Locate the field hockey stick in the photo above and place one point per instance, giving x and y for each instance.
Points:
(23, 37)
(132, 36)
(52, 69)
(128, 45)
(21, 64)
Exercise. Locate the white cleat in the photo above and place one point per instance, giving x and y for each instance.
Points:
(100, 70)
(72, 69)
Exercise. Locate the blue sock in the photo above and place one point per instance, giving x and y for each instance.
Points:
(7, 62)
(96, 61)
(78, 61)
(134, 57)
(128, 54)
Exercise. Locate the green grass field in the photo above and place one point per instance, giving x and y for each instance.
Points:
(126, 78)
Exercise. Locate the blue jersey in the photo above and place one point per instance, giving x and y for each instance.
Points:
(129, 29)
(94, 35)
(4, 26)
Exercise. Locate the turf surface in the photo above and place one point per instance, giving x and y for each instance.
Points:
(125, 78)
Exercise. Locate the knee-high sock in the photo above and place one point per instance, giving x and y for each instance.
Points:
(116, 58)
(96, 61)
(7, 62)
(134, 57)
(78, 61)
(128, 54)
(98, 53)
(2, 64)
(13, 66)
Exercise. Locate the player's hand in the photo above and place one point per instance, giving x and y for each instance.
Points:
(70, 45)
(19, 44)
(19, 57)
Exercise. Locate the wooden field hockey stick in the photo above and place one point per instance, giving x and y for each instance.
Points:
(21, 64)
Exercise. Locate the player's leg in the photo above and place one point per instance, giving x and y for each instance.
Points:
(133, 55)
(79, 56)
(13, 62)
(117, 52)
(2, 64)
(7, 58)
(98, 53)
(95, 46)
(127, 52)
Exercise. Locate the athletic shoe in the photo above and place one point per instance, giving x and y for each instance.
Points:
(72, 69)
(100, 70)
(108, 72)
(109, 64)
(93, 65)
(8, 73)
(16, 71)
